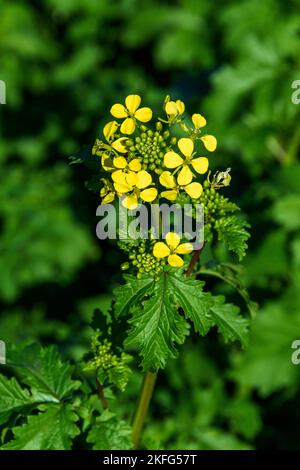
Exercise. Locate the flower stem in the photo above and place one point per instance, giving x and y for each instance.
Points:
(142, 407)
(102, 396)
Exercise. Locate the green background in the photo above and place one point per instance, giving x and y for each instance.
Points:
(64, 63)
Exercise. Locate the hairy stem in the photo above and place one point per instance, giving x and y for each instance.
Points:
(142, 407)
(194, 261)
(102, 396)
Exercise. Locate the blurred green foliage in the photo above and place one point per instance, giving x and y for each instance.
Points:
(64, 62)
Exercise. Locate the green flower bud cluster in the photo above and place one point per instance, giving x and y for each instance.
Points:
(103, 356)
(215, 205)
(150, 147)
(145, 262)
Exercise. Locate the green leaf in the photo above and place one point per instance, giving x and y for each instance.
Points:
(267, 363)
(196, 304)
(43, 370)
(157, 326)
(286, 211)
(232, 231)
(130, 293)
(119, 375)
(231, 274)
(13, 398)
(230, 324)
(110, 433)
(52, 429)
(216, 439)
(244, 417)
(206, 310)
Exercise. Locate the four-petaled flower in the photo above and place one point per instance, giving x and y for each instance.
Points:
(173, 160)
(134, 186)
(175, 108)
(194, 190)
(131, 113)
(172, 249)
(122, 167)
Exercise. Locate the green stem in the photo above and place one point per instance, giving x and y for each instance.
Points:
(142, 407)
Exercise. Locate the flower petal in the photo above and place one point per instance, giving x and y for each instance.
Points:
(167, 180)
(210, 142)
(194, 190)
(172, 160)
(108, 198)
(118, 145)
(200, 164)
(172, 239)
(171, 194)
(143, 114)
(109, 129)
(107, 162)
(171, 108)
(130, 202)
(135, 165)
(180, 106)
(132, 103)
(149, 194)
(128, 126)
(161, 250)
(184, 248)
(144, 179)
(120, 162)
(119, 111)
(186, 146)
(122, 188)
(185, 176)
(119, 176)
(198, 121)
(175, 261)
(131, 178)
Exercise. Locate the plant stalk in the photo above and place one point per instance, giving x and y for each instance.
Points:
(142, 407)
(102, 396)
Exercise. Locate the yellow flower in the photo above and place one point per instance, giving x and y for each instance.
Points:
(131, 113)
(194, 190)
(135, 186)
(210, 142)
(105, 149)
(171, 249)
(174, 160)
(122, 167)
(198, 121)
(107, 192)
(175, 108)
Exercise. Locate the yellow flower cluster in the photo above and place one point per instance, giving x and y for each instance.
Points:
(144, 163)
(124, 148)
